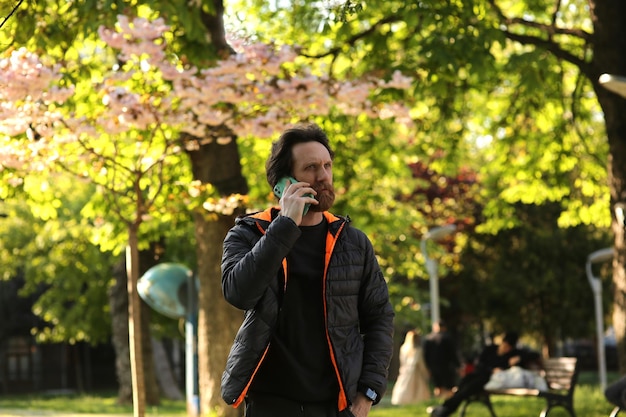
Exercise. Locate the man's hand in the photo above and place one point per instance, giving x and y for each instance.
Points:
(361, 405)
(514, 360)
(294, 198)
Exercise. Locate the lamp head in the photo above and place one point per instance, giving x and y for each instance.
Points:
(614, 83)
(437, 233)
(601, 255)
(164, 287)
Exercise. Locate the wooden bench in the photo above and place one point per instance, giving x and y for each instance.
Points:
(561, 375)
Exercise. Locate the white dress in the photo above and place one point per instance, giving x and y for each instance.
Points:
(412, 384)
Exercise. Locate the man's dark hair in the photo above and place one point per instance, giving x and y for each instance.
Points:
(511, 338)
(280, 162)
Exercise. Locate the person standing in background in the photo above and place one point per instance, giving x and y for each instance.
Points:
(442, 360)
(412, 384)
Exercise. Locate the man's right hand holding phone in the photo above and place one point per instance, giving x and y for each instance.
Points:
(294, 199)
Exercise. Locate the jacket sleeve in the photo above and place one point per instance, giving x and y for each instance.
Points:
(376, 322)
(249, 263)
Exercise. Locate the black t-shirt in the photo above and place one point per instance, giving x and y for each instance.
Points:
(490, 359)
(298, 364)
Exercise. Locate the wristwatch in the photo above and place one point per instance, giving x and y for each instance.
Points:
(370, 394)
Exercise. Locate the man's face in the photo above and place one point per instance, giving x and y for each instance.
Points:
(312, 163)
(504, 348)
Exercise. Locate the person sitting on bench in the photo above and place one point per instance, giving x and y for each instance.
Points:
(492, 359)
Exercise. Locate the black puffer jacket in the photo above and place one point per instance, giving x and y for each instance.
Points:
(359, 317)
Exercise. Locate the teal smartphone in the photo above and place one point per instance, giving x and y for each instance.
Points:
(279, 188)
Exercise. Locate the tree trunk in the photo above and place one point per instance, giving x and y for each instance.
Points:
(135, 333)
(217, 320)
(609, 18)
(118, 302)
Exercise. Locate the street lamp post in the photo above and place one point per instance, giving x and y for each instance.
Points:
(434, 234)
(598, 256)
(172, 290)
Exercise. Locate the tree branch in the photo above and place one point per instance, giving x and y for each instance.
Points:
(550, 30)
(354, 39)
(19, 3)
(548, 45)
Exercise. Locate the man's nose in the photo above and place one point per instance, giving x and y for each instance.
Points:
(324, 175)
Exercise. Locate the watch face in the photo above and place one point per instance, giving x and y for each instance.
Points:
(371, 394)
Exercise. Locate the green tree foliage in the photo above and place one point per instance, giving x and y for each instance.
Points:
(530, 278)
(502, 89)
(47, 242)
(520, 115)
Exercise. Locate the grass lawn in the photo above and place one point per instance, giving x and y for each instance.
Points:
(589, 401)
(99, 403)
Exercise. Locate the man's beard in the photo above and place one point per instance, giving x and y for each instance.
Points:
(325, 196)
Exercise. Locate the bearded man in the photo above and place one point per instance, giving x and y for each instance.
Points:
(317, 336)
